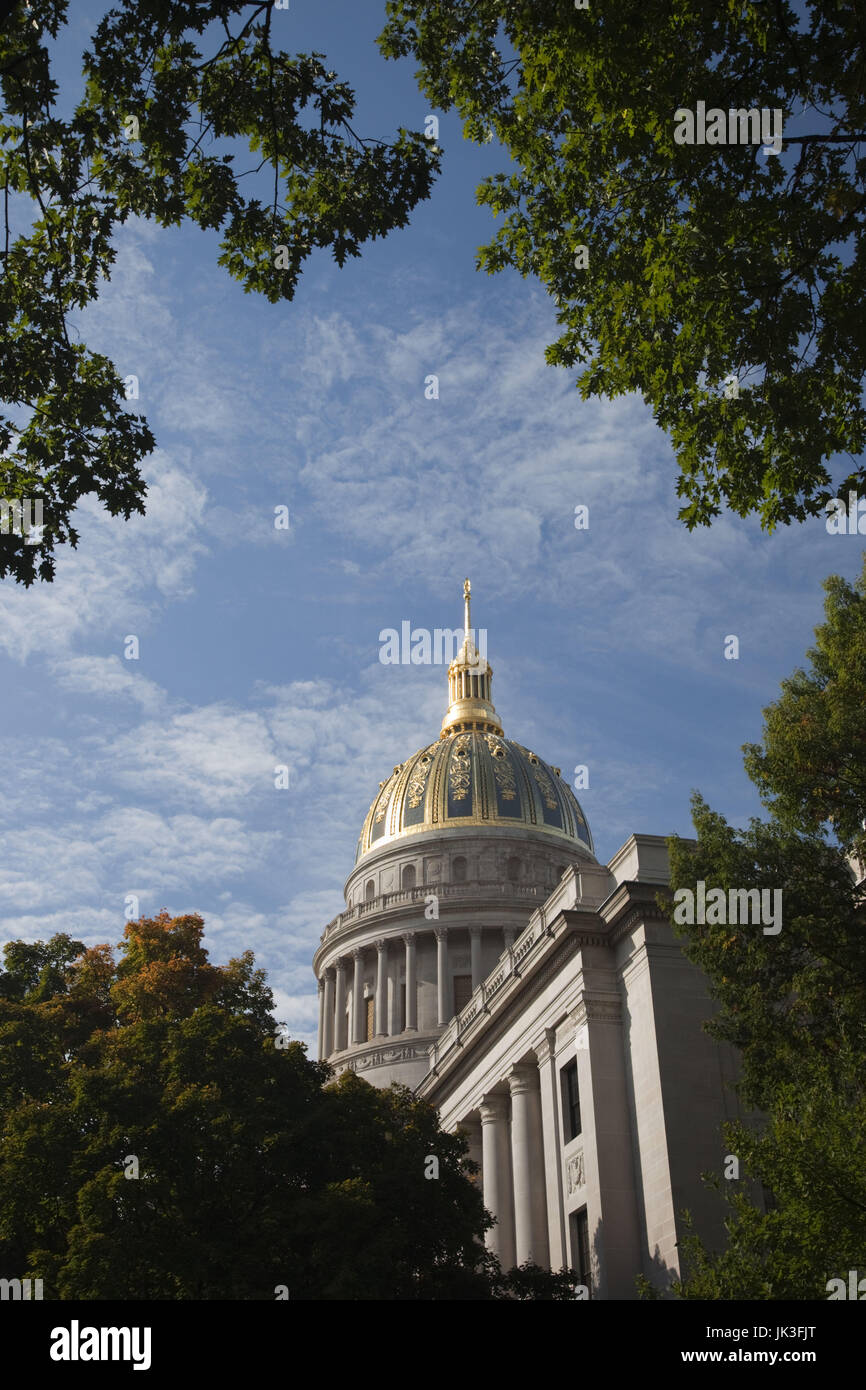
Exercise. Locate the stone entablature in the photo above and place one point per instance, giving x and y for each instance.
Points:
(489, 855)
(474, 894)
(577, 893)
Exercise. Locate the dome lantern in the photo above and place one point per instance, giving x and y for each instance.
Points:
(473, 779)
(469, 681)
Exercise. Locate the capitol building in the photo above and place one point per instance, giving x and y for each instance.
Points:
(537, 998)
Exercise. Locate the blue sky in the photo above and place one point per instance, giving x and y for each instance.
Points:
(260, 647)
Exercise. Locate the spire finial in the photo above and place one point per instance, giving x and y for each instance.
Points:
(469, 677)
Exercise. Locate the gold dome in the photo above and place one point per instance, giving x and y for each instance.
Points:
(472, 776)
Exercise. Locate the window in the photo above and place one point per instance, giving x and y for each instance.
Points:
(462, 991)
(458, 869)
(571, 1125)
(370, 891)
(408, 877)
(371, 1018)
(579, 1230)
(513, 869)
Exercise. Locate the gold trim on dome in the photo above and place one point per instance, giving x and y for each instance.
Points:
(544, 783)
(503, 772)
(384, 794)
(460, 778)
(418, 780)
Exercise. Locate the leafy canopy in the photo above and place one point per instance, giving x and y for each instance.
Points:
(712, 269)
(811, 768)
(178, 97)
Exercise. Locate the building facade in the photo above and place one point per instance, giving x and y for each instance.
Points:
(537, 998)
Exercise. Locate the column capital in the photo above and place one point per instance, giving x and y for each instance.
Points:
(493, 1109)
(522, 1077)
(357, 953)
(321, 983)
(340, 963)
(544, 1047)
(329, 973)
(382, 944)
(597, 1008)
(441, 933)
(475, 931)
(408, 937)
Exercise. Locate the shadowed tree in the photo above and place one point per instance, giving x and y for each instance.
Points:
(162, 1139)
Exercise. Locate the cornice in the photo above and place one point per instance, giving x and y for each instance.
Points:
(630, 904)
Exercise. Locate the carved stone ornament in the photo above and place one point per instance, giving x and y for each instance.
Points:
(574, 1174)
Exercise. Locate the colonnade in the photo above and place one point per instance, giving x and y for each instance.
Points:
(513, 1167)
(333, 1023)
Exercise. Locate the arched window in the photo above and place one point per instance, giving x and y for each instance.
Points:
(408, 877)
(513, 869)
(458, 869)
(370, 890)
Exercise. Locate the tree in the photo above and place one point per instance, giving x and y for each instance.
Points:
(793, 1001)
(160, 1138)
(811, 769)
(724, 286)
(173, 87)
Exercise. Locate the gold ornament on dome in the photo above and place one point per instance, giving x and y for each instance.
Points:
(415, 790)
(503, 772)
(383, 799)
(544, 783)
(460, 774)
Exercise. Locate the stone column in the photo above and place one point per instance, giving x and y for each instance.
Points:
(321, 1042)
(475, 955)
(605, 1110)
(411, 988)
(394, 1021)
(328, 1028)
(472, 1129)
(340, 1039)
(443, 982)
(358, 1029)
(496, 1177)
(549, 1081)
(527, 1162)
(381, 1022)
